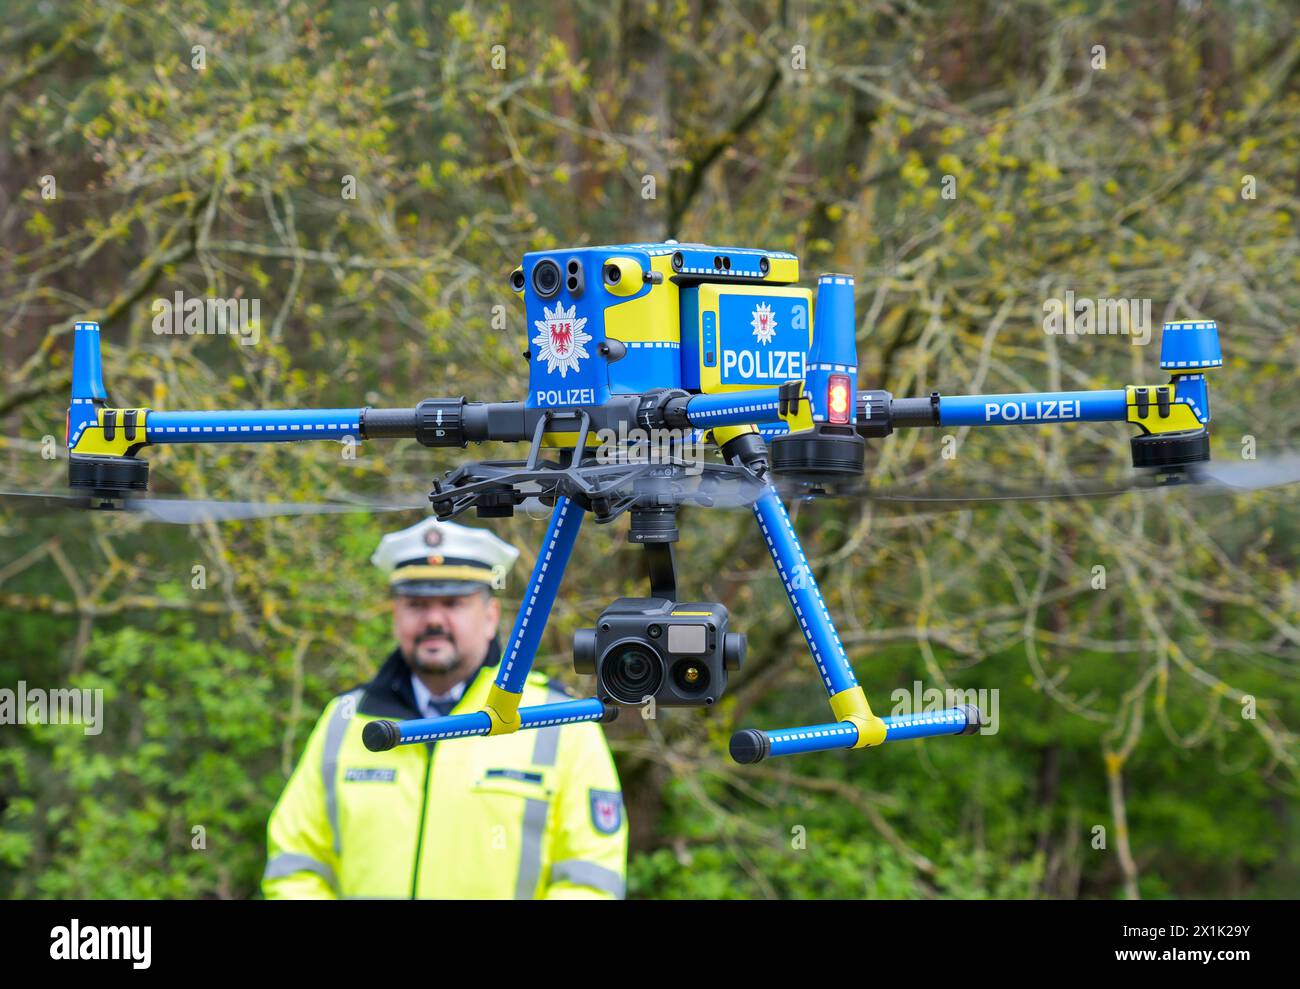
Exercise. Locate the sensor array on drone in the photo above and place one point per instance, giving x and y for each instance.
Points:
(624, 319)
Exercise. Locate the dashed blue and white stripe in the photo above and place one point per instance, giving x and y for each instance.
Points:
(253, 426)
(540, 595)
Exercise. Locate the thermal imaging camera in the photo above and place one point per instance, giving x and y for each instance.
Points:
(644, 648)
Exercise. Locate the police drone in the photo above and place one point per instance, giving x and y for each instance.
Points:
(648, 348)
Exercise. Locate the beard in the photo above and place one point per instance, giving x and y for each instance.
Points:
(448, 657)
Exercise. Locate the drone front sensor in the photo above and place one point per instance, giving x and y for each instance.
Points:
(702, 343)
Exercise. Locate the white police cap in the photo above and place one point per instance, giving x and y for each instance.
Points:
(434, 558)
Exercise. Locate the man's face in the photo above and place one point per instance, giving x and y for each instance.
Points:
(445, 635)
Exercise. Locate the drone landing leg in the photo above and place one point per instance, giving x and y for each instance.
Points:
(855, 726)
(501, 713)
(517, 660)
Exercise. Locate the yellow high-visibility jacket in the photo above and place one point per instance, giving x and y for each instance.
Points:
(534, 814)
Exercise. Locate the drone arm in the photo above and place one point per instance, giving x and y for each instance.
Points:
(736, 408)
(1155, 408)
(254, 426)
(1173, 417)
(1010, 409)
(434, 422)
(97, 429)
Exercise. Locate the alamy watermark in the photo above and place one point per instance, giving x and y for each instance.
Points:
(36, 706)
(73, 942)
(1084, 316)
(682, 447)
(932, 700)
(194, 316)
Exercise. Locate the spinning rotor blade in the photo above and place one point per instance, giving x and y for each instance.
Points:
(188, 511)
(1251, 475)
(732, 491)
(956, 500)
(1207, 478)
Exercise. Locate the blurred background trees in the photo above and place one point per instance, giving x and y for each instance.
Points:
(371, 173)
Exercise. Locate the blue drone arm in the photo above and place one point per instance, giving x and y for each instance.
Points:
(258, 426)
(765, 405)
(95, 428)
(735, 408)
(99, 434)
(1032, 407)
(1188, 348)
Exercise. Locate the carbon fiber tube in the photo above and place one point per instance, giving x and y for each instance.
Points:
(376, 423)
(449, 422)
(434, 422)
(915, 411)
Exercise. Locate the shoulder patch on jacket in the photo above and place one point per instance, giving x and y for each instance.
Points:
(606, 810)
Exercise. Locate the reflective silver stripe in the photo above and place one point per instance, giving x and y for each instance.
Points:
(583, 873)
(287, 863)
(334, 732)
(548, 739)
(530, 851)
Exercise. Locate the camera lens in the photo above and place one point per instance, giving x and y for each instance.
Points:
(632, 672)
(691, 676)
(517, 279)
(546, 278)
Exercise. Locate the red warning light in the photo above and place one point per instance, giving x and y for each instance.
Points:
(838, 399)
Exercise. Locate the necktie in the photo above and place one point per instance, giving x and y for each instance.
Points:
(441, 708)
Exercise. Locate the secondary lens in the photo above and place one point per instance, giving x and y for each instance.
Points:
(546, 278)
(632, 672)
(691, 676)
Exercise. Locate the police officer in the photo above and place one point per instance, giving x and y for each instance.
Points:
(533, 814)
